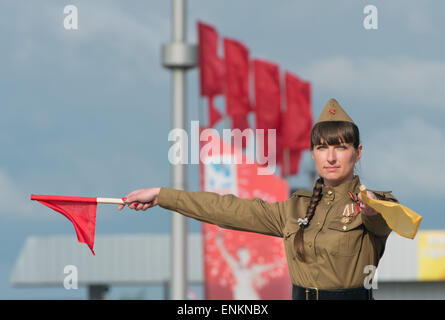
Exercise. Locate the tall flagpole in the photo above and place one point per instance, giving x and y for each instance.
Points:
(178, 56)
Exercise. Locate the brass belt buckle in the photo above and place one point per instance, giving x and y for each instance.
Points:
(316, 293)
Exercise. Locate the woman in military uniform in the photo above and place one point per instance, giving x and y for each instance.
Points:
(331, 238)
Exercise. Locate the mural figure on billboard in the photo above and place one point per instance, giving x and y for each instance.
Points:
(247, 277)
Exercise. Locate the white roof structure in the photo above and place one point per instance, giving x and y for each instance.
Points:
(140, 259)
(399, 261)
(135, 259)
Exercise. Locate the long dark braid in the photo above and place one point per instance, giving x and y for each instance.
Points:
(299, 240)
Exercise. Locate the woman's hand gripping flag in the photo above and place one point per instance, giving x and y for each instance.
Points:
(399, 218)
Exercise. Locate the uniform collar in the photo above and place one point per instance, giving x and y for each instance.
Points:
(342, 189)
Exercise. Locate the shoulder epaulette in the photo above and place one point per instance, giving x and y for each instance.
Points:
(384, 195)
(302, 193)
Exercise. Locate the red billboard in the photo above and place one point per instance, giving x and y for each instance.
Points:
(242, 265)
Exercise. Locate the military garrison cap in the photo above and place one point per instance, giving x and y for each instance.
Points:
(333, 112)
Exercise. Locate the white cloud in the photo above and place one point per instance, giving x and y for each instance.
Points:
(129, 43)
(406, 158)
(404, 80)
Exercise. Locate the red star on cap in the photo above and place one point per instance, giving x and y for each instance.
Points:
(332, 111)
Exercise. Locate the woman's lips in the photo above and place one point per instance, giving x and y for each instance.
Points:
(331, 168)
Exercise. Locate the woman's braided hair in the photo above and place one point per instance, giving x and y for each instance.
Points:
(330, 133)
(298, 240)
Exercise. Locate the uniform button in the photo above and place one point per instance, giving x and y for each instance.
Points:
(330, 192)
(345, 227)
(329, 202)
(310, 245)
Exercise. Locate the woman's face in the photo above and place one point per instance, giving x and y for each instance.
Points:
(335, 163)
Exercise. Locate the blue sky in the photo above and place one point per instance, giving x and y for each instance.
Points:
(87, 112)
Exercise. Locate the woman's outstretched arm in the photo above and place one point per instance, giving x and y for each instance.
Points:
(226, 211)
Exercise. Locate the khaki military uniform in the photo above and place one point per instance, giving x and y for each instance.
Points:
(336, 252)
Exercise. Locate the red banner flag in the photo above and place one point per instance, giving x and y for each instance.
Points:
(297, 120)
(81, 211)
(213, 113)
(296, 124)
(210, 64)
(267, 99)
(236, 60)
(211, 69)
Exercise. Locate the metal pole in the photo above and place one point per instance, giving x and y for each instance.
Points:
(179, 223)
(179, 56)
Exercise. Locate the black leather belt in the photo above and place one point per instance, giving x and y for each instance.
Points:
(300, 293)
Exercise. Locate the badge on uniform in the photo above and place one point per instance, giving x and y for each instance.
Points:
(351, 209)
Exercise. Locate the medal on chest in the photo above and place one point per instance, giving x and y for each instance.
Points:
(351, 209)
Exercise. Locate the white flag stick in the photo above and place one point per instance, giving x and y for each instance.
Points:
(110, 200)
